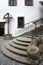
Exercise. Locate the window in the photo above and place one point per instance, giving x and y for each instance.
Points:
(20, 22)
(12, 2)
(29, 2)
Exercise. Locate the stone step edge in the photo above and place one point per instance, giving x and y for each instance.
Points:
(19, 43)
(16, 51)
(29, 37)
(18, 47)
(24, 41)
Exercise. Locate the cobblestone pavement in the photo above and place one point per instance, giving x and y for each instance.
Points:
(5, 60)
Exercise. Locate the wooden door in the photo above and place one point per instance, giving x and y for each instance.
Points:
(1, 29)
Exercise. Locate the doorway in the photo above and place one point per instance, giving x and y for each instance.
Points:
(1, 29)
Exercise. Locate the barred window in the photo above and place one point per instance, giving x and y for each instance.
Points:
(29, 2)
(12, 2)
(20, 22)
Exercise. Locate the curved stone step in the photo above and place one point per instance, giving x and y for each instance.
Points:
(18, 58)
(24, 39)
(18, 46)
(15, 50)
(30, 37)
(20, 43)
(27, 36)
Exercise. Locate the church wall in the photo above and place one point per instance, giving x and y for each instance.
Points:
(29, 13)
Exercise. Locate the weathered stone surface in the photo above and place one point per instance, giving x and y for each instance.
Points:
(41, 57)
(41, 37)
(41, 48)
(33, 52)
(38, 40)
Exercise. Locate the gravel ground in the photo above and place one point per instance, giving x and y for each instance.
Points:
(5, 60)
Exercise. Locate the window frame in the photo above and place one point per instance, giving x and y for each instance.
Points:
(11, 3)
(21, 25)
(28, 2)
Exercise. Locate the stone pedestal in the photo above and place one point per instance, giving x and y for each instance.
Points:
(8, 36)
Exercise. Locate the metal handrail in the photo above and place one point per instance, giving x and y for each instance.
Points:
(34, 21)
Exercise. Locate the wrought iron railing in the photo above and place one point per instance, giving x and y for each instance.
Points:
(31, 26)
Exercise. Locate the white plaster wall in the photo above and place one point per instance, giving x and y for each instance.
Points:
(41, 10)
(29, 13)
(6, 28)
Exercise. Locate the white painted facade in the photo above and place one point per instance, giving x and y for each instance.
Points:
(29, 13)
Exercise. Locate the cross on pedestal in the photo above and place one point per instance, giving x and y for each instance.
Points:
(8, 18)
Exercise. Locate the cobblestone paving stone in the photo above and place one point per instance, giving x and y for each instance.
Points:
(4, 60)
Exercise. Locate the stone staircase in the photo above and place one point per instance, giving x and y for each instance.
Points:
(17, 50)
